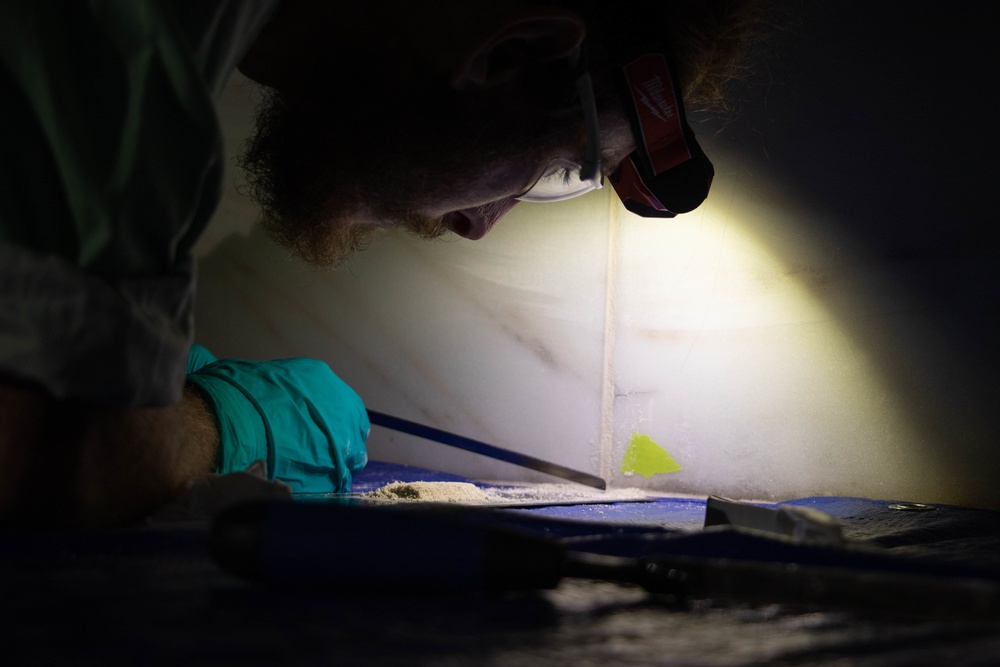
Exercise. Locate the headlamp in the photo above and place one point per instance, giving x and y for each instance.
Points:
(667, 173)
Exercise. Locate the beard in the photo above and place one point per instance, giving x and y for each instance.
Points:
(331, 174)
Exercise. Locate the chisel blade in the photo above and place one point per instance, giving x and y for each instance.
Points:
(484, 449)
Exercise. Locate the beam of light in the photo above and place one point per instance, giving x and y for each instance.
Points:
(731, 360)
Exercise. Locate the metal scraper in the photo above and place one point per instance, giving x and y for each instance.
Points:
(478, 447)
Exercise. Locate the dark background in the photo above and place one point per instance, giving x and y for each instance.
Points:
(882, 117)
(884, 112)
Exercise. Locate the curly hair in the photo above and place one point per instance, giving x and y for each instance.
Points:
(713, 44)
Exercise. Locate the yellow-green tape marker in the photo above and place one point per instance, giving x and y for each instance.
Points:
(647, 458)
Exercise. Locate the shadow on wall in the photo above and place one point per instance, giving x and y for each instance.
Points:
(870, 125)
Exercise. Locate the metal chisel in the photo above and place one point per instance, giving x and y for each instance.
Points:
(477, 447)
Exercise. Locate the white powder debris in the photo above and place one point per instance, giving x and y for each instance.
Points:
(564, 493)
(435, 492)
(470, 494)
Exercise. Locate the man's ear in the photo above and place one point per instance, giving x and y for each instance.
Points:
(521, 41)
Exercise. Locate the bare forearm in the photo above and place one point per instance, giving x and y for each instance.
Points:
(75, 463)
(200, 436)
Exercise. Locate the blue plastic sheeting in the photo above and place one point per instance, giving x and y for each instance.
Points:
(968, 538)
(155, 596)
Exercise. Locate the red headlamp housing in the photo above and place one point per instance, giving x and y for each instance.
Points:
(668, 173)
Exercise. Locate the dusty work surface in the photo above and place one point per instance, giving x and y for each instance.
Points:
(154, 596)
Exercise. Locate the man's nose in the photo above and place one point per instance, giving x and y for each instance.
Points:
(475, 223)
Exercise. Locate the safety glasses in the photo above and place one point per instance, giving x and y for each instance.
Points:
(565, 179)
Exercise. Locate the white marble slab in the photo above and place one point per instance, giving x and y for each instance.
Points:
(766, 352)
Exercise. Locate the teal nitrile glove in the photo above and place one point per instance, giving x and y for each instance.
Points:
(199, 356)
(295, 414)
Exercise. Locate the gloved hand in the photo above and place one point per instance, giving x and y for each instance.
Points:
(295, 414)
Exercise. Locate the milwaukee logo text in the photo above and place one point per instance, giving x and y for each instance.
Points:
(651, 96)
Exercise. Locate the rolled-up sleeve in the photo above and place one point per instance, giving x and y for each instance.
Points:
(110, 168)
